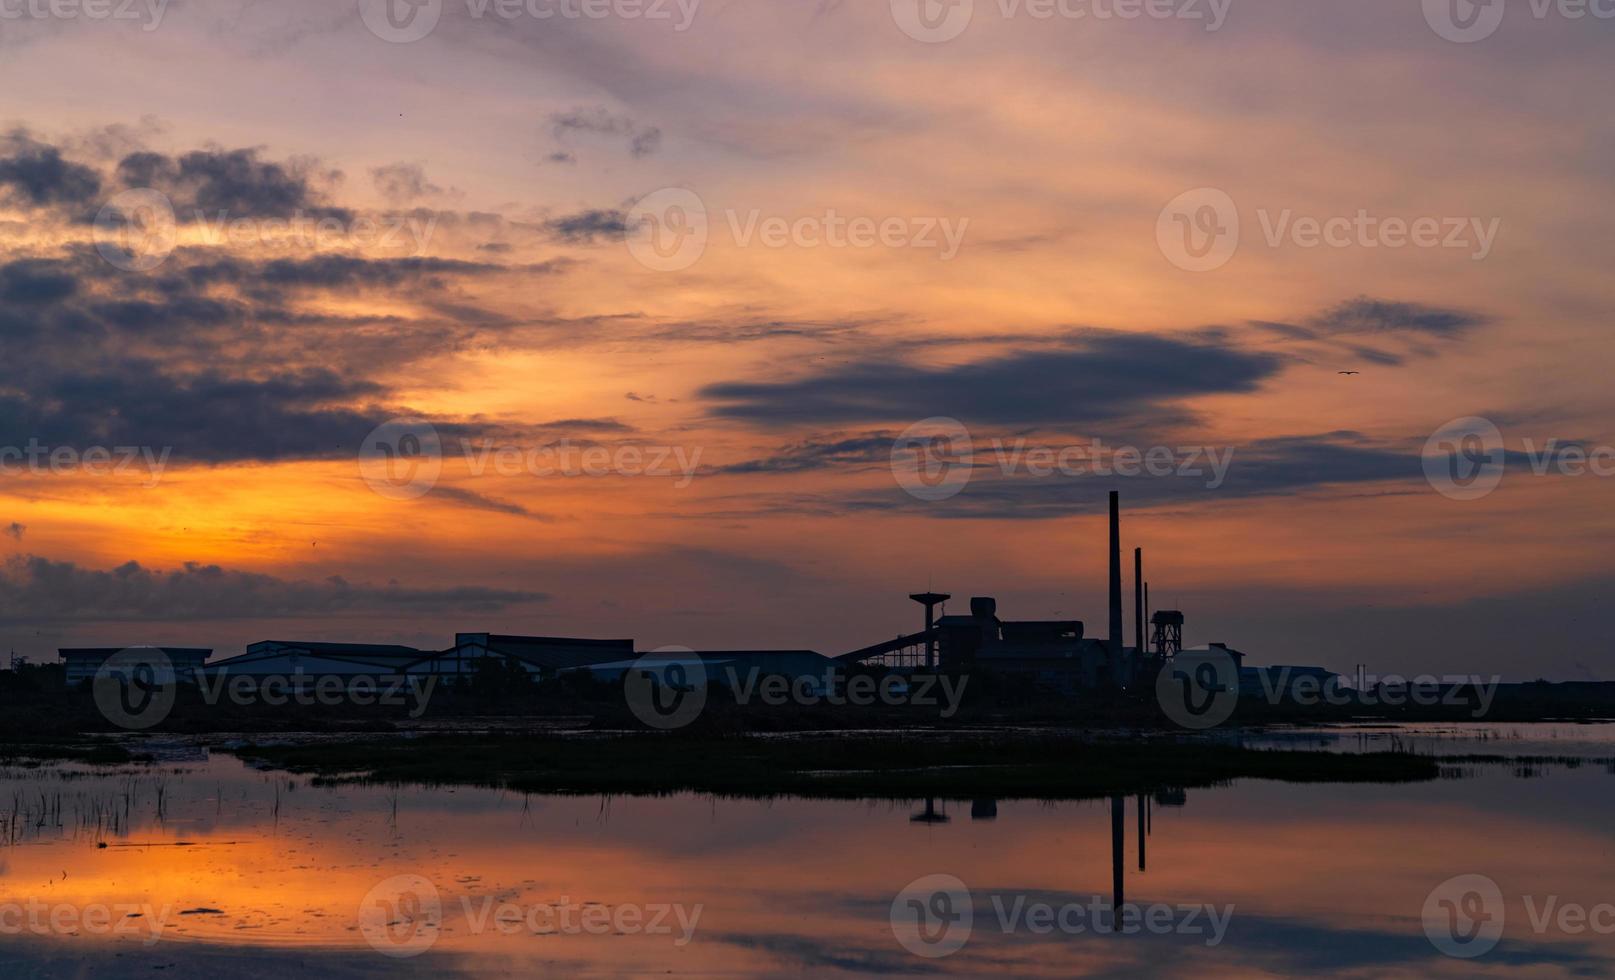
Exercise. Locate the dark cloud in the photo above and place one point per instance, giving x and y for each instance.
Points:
(586, 226)
(337, 271)
(1096, 377)
(597, 120)
(35, 174)
(1367, 315)
(234, 182)
(479, 501)
(206, 416)
(39, 590)
(645, 143)
(832, 452)
(26, 282)
(209, 356)
(403, 183)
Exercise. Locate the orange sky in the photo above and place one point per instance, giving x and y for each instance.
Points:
(510, 155)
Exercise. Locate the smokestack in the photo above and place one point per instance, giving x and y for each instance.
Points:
(1116, 588)
(1138, 603)
(1147, 603)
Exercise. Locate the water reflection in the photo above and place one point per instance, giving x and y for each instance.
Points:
(232, 868)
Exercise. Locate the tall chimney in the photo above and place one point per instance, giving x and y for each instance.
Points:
(1138, 603)
(1116, 588)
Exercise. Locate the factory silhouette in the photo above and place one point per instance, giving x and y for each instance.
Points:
(1044, 658)
(1023, 665)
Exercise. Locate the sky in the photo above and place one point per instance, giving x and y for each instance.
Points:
(729, 324)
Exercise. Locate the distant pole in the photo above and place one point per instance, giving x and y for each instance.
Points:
(1146, 602)
(1138, 602)
(1116, 588)
(1142, 829)
(1118, 837)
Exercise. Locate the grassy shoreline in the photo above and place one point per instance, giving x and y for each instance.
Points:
(842, 767)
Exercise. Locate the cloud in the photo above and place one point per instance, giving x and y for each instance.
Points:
(480, 501)
(1096, 377)
(35, 174)
(1367, 315)
(34, 589)
(238, 182)
(586, 226)
(403, 183)
(821, 454)
(597, 120)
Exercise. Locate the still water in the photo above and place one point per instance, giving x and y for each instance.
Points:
(201, 866)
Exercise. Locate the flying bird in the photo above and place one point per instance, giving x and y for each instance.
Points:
(1348, 372)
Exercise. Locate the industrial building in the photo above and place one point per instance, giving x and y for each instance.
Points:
(1052, 655)
(82, 663)
(740, 671)
(1055, 656)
